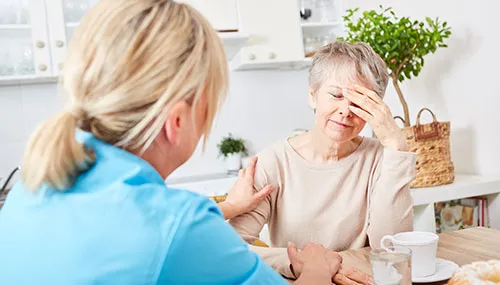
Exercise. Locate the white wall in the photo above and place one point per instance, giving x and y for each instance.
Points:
(21, 109)
(458, 83)
(262, 107)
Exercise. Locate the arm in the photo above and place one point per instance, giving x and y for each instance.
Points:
(391, 204)
(241, 197)
(250, 224)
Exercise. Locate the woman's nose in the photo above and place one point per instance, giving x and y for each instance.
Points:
(344, 108)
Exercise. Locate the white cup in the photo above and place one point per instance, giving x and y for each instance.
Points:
(423, 246)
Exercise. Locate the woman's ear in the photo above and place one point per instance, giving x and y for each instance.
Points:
(177, 122)
(312, 99)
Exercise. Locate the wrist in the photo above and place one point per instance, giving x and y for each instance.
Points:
(228, 210)
(318, 274)
(397, 145)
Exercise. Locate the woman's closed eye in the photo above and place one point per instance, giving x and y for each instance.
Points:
(337, 95)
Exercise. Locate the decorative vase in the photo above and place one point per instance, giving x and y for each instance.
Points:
(233, 162)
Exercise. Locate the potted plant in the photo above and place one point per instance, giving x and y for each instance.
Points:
(401, 42)
(232, 149)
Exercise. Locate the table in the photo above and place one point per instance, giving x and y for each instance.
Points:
(461, 247)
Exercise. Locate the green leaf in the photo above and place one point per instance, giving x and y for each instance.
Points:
(395, 39)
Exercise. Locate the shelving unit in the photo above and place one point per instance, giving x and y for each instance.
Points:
(465, 186)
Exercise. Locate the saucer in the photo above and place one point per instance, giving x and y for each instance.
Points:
(444, 271)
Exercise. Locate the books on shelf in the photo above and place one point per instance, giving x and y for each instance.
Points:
(461, 214)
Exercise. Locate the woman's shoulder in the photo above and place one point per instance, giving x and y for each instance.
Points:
(273, 155)
(273, 151)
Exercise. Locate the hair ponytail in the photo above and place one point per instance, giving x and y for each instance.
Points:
(53, 156)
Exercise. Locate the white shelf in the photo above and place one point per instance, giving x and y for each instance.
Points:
(15, 27)
(320, 25)
(320, 28)
(233, 42)
(465, 186)
(26, 79)
(308, 61)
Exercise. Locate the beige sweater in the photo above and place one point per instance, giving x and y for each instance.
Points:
(342, 205)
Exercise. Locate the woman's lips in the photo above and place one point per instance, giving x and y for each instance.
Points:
(340, 124)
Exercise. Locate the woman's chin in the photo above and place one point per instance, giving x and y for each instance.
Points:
(340, 136)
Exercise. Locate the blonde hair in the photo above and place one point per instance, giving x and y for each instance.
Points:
(356, 61)
(127, 64)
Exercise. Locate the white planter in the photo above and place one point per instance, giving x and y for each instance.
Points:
(233, 162)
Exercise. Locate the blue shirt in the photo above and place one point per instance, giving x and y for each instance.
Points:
(120, 224)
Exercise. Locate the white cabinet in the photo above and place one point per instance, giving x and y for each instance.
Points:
(34, 37)
(280, 38)
(275, 34)
(257, 34)
(63, 17)
(34, 34)
(222, 14)
(224, 17)
(24, 51)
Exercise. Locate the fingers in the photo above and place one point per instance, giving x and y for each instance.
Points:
(337, 262)
(355, 274)
(292, 252)
(264, 192)
(241, 173)
(362, 101)
(250, 170)
(370, 93)
(367, 117)
(341, 279)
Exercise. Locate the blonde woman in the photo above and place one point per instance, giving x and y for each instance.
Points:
(145, 79)
(334, 187)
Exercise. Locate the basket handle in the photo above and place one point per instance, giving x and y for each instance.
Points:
(434, 120)
(433, 133)
(400, 118)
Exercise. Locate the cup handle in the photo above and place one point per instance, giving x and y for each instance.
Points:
(383, 242)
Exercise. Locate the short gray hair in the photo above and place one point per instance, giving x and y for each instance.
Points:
(359, 59)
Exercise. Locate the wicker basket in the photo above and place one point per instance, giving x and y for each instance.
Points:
(431, 142)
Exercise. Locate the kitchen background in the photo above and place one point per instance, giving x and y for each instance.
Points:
(458, 83)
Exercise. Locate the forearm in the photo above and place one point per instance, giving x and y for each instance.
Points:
(311, 275)
(277, 258)
(391, 204)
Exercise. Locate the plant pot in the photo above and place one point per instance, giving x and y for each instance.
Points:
(233, 162)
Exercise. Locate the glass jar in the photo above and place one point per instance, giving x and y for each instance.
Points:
(326, 10)
(311, 45)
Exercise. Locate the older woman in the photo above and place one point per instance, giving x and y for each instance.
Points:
(334, 187)
(145, 79)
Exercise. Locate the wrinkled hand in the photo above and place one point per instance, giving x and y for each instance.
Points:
(331, 262)
(373, 110)
(351, 276)
(314, 256)
(242, 197)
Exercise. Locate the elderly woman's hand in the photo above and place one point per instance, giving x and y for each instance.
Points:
(242, 197)
(318, 256)
(373, 110)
